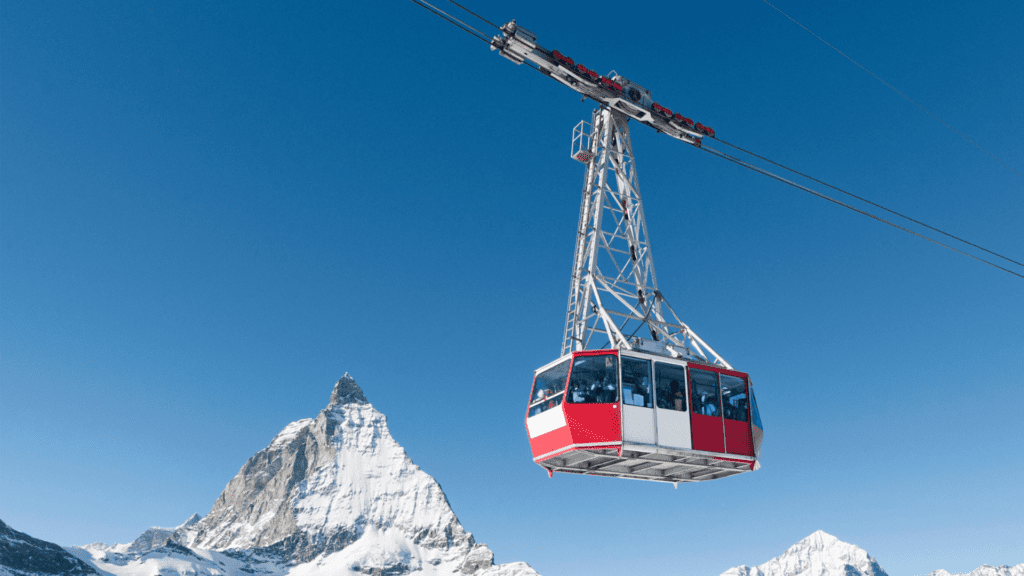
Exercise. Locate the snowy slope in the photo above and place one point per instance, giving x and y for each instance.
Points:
(330, 478)
(822, 554)
(335, 494)
(986, 570)
(23, 555)
(819, 554)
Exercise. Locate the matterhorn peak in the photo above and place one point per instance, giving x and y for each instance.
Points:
(338, 494)
(346, 391)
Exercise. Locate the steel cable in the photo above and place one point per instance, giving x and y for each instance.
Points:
(475, 14)
(893, 88)
(866, 201)
(453, 20)
(759, 170)
(467, 28)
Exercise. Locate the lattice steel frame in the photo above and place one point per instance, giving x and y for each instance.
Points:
(614, 291)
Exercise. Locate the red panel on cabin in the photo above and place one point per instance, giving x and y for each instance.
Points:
(550, 442)
(737, 438)
(593, 422)
(707, 433)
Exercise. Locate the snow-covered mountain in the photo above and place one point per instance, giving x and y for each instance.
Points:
(822, 554)
(335, 494)
(819, 554)
(986, 570)
(23, 555)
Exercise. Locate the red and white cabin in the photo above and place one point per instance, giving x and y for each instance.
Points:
(629, 414)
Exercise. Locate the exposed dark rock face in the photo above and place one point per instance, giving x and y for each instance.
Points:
(334, 494)
(23, 554)
(479, 558)
(331, 484)
(346, 391)
(322, 483)
(156, 537)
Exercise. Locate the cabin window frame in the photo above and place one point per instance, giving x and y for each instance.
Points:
(686, 391)
(746, 392)
(613, 387)
(556, 398)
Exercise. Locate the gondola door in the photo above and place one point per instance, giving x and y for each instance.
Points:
(706, 411)
(736, 409)
(637, 401)
(671, 402)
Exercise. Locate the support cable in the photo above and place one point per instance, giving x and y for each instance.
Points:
(749, 166)
(475, 14)
(893, 88)
(480, 35)
(866, 201)
(453, 20)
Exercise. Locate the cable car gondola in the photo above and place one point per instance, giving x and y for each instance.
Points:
(631, 414)
(668, 409)
(621, 410)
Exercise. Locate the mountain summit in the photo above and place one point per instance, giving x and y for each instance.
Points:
(820, 554)
(325, 483)
(346, 391)
(336, 494)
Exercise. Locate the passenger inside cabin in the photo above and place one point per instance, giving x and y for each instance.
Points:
(605, 391)
(705, 392)
(594, 380)
(670, 387)
(709, 406)
(735, 396)
(547, 388)
(589, 393)
(636, 383)
(741, 410)
(678, 396)
(582, 394)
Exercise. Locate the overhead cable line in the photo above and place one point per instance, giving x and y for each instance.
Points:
(893, 88)
(866, 201)
(465, 27)
(475, 14)
(759, 170)
(453, 20)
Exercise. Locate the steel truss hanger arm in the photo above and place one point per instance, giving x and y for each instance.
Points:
(616, 92)
(614, 289)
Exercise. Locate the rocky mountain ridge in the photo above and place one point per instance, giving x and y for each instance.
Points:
(322, 483)
(986, 570)
(23, 555)
(820, 554)
(331, 494)
(337, 495)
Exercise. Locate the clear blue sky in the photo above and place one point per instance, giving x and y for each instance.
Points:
(211, 211)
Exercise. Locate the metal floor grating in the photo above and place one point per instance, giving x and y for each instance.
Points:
(683, 466)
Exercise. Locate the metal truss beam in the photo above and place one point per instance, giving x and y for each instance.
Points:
(613, 269)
